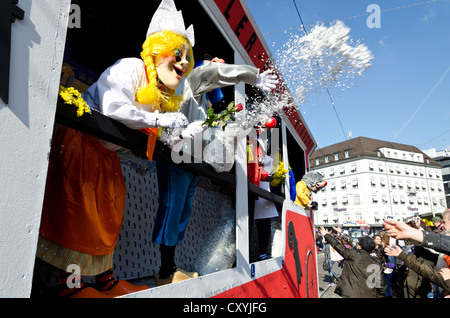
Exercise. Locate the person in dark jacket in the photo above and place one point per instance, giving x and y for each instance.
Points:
(362, 275)
(421, 267)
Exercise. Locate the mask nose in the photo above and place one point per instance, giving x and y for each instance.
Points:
(320, 185)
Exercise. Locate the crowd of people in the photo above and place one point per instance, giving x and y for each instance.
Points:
(403, 260)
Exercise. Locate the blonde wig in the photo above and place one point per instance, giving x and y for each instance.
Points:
(160, 44)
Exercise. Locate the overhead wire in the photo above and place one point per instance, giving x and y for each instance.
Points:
(440, 135)
(352, 17)
(327, 90)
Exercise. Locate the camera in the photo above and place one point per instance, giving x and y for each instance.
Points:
(413, 220)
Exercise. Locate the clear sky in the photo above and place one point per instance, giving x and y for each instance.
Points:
(404, 96)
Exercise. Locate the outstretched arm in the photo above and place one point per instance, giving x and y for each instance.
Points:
(214, 75)
(420, 267)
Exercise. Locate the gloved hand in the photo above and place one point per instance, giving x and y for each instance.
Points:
(266, 81)
(172, 141)
(314, 205)
(193, 130)
(171, 120)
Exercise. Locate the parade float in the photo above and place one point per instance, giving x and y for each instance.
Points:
(57, 45)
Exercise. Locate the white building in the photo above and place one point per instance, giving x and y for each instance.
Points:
(369, 180)
(443, 158)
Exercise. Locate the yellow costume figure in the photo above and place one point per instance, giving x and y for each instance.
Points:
(311, 181)
(303, 196)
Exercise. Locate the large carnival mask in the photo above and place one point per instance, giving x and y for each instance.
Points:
(171, 69)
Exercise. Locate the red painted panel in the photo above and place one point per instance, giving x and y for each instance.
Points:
(298, 276)
(241, 26)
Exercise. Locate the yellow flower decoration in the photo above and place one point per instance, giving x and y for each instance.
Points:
(279, 176)
(250, 153)
(73, 97)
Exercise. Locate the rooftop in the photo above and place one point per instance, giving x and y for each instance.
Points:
(365, 147)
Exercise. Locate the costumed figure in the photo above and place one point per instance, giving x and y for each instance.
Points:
(260, 209)
(177, 186)
(264, 211)
(311, 182)
(85, 191)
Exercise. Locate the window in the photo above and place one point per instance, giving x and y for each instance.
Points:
(336, 156)
(374, 197)
(344, 199)
(331, 172)
(394, 199)
(393, 184)
(333, 201)
(333, 186)
(408, 185)
(347, 154)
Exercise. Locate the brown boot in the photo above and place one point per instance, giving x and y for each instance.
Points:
(123, 287)
(109, 285)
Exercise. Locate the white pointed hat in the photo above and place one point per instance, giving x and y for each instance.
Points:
(167, 18)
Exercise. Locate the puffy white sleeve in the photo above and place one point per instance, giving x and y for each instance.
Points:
(214, 75)
(114, 94)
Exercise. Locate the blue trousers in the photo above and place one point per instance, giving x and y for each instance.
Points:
(176, 194)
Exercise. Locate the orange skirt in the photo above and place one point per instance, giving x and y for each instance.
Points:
(85, 194)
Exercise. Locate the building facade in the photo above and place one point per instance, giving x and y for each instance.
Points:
(370, 180)
(443, 158)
